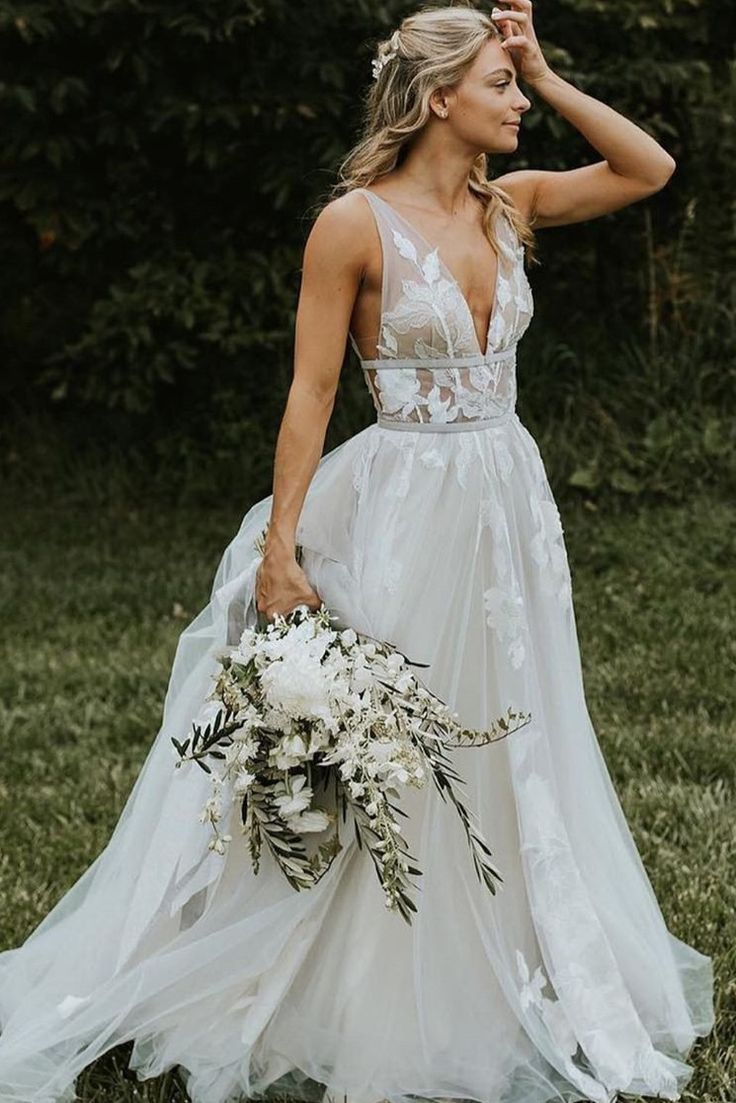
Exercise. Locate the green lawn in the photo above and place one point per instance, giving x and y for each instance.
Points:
(94, 598)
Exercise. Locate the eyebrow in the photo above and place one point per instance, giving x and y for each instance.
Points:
(495, 72)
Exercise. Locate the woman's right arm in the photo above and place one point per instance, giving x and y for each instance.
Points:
(333, 267)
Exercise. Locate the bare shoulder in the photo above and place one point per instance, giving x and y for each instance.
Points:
(520, 187)
(342, 232)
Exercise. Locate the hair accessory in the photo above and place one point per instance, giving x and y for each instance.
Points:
(383, 58)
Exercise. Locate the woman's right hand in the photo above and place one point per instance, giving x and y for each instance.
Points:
(281, 585)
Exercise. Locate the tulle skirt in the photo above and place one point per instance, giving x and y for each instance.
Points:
(565, 985)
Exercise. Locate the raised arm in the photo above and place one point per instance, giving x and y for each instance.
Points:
(635, 164)
(331, 274)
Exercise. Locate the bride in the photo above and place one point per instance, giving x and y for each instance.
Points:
(435, 528)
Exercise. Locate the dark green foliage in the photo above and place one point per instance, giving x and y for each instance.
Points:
(161, 168)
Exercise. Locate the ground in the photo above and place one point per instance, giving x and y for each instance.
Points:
(93, 598)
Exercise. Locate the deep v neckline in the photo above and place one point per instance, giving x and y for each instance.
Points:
(454, 280)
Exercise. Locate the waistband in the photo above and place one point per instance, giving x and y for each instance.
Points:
(447, 426)
(434, 363)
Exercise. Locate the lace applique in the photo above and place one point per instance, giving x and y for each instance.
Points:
(425, 316)
(406, 446)
(506, 615)
(362, 463)
(399, 392)
(503, 601)
(432, 302)
(504, 459)
(551, 1011)
(588, 983)
(492, 513)
(463, 457)
(552, 1014)
(493, 516)
(548, 547)
(433, 458)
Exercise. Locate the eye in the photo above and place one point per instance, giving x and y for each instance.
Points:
(503, 84)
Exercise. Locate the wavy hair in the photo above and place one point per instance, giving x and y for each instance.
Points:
(432, 47)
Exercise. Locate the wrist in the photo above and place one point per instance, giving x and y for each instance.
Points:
(544, 77)
(279, 544)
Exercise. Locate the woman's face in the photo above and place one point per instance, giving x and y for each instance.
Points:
(487, 101)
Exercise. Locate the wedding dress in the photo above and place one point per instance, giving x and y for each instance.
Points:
(434, 528)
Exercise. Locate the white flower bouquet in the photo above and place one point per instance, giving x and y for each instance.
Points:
(314, 719)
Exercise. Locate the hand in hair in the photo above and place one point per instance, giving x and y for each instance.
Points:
(520, 39)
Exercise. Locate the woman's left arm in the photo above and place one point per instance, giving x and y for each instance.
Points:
(635, 164)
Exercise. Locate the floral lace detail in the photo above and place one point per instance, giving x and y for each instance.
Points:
(463, 457)
(506, 616)
(362, 463)
(433, 302)
(504, 460)
(551, 1011)
(502, 601)
(493, 516)
(433, 458)
(399, 487)
(442, 395)
(425, 316)
(548, 546)
(596, 1007)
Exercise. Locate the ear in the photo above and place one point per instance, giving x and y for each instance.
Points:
(439, 102)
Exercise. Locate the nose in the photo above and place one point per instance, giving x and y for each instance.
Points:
(523, 103)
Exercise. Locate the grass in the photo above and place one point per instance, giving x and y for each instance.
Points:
(94, 595)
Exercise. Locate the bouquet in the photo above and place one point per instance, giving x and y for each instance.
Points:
(313, 719)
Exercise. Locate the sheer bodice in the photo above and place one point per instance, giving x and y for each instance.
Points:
(430, 367)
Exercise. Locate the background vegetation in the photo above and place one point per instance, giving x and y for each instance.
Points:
(161, 167)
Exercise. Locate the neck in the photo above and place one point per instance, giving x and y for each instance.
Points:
(436, 176)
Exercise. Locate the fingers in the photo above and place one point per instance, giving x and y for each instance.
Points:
(509, 22)
(517, 16)
(270, 612)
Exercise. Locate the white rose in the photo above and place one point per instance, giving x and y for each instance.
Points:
(314, 820)
(297, 686)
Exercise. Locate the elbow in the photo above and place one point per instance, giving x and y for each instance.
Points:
(317, 394)
(657, 181)
(670, 166)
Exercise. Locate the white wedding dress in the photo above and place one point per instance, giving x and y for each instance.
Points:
(434, 528)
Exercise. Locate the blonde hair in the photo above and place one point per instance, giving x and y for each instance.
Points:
(431, 47)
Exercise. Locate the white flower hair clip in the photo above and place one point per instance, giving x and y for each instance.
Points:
(388, 55)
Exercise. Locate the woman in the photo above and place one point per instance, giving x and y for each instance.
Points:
(434, 528)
